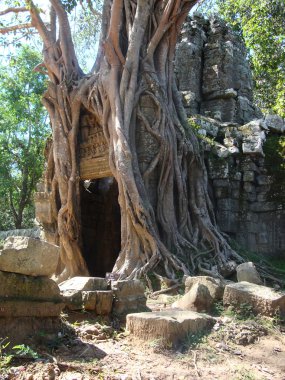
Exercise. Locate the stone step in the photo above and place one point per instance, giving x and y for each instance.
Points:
(169, 326)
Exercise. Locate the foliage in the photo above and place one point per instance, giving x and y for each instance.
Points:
(25, 351)
(23, 130)
(262, 25)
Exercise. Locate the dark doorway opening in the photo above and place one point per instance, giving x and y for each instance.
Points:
(101, 224)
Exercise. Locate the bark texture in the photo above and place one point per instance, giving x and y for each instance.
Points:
(167, 218)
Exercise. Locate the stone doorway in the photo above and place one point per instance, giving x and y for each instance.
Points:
(101, 224)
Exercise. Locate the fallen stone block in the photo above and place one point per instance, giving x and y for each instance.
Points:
(170, 326)
(197, 299)
(261, 299)
(32, 257)
(128, 297)
(214, 285)
(247, 272)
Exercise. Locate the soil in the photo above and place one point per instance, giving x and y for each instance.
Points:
(88, 347)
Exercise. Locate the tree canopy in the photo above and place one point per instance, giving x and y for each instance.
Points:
(23, 131)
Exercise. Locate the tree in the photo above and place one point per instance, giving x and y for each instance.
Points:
(170, 226)
(23, 131)
(261, 23)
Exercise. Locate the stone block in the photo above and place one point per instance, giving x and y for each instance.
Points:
(22, 287)
(263, 300)
(198, 298)
(99, 301)
(128, 296)
(170, 326)
(127, 288)
(104, 301)
(228, 204)
(26, 308)
(248, 187)
(84, 283)
(275, 123)
(248, 176)
(28, 296)
(264, 180)
(214, 285)
(221, 192)
(28, 256)
(247, 272)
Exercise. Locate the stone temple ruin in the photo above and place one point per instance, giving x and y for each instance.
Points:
(247, 190)
(215, 81)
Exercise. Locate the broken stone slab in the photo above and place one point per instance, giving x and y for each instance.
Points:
(128, 296)
(28, 296)
(169, 326)
(262, 299)
(84, 283)
(28, 256)
(247, 272)
(214, 285)
(197, 299)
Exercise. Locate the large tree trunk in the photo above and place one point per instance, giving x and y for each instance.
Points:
(169, 225)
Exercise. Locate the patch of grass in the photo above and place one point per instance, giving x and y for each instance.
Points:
(194, 340)
(160, 344)
(245, 374)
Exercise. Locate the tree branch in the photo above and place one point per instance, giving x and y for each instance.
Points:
(13, 28)
(67, 46)
(38, 23)
(14, 10)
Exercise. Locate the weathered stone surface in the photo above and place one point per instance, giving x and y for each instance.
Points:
(128, 297)
(247, 272)
(22, 296)
(20, 329)
(29, 256)
(84, 283)
(24, 308)
(262, 299)
(17, 286)
(104, 301)
(99, 301)
(275, 123)
(214, 285)
(197, 299)
(171, 326)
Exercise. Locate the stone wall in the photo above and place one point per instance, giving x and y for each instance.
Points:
(213, 72)
(248, 183)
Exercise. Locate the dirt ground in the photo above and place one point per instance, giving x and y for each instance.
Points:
(87, 347)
